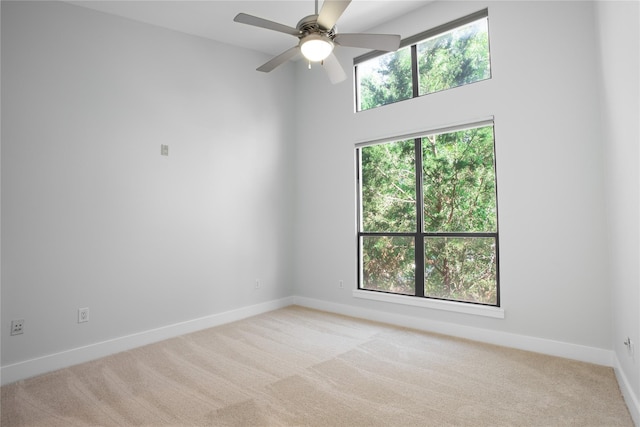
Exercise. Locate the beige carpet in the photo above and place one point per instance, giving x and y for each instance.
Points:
(303, 367)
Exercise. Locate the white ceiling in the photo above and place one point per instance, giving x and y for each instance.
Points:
(213, 19)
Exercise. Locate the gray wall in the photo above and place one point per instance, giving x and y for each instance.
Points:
(92, 214)
(619, 38)
(553, 251)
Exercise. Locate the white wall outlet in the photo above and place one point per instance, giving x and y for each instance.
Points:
(257, 284)
(341, 284)
(17, 327)
(83, 315)
(164, 150)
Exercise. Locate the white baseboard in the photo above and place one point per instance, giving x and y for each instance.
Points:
(29, 368)
(539, 345)
(630, 397)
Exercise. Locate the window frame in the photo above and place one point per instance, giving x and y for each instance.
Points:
(413, 42)
(419, 234)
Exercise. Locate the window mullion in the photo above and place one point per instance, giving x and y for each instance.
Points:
(414, 71)
(359, 217)
(419, 239)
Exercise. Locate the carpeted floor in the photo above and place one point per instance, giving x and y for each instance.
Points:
(302, 367)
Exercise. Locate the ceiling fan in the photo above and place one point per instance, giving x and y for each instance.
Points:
(317, 37)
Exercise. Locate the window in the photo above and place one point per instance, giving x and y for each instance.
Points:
(445, 57)
(427, 220)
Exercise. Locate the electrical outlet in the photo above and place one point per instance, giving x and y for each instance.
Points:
(257, 284)
(164, 150)
(83, 315)
(341, 284)
(17, 327)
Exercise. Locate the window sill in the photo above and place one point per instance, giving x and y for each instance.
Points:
(458, 307)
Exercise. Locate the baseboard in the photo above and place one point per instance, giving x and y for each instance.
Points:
(539, 345)
(630, 398)
(29, 368)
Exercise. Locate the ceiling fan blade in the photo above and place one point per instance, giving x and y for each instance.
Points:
(279, 60)
(386, 42)
(243, 18)
(330, 13)
(334, 69)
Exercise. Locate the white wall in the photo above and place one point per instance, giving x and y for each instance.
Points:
(92, 214)
(619, 44)
(553, 264)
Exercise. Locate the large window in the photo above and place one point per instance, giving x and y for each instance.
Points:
(449, 56)
(428, 222)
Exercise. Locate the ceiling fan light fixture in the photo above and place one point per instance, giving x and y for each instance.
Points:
(316, 47)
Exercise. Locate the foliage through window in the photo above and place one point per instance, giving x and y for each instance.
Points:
(428, 216)
(449, 56)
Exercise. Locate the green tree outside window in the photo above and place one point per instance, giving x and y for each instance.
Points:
(447, 60)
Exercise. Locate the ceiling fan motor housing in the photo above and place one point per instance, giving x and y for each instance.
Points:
(309, 25)
(316, 43)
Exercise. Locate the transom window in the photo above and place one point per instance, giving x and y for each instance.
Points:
(427, 215)
(445, 57)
